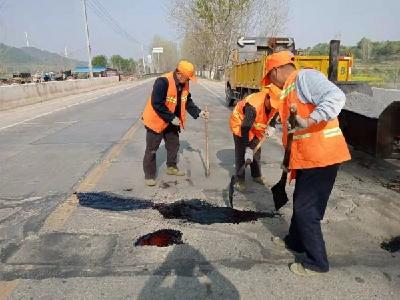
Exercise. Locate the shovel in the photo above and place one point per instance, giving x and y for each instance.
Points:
(278, 190)
(234, 178)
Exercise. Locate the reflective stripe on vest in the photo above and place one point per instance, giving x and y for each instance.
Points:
(259, 126)
(327, 133)
(332, 132)
(286, 91)
(171, 99)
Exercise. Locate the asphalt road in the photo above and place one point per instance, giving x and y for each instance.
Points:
(57, 244)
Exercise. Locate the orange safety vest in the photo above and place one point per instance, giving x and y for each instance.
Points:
(261, 121)
(320, 145)
(152, 120)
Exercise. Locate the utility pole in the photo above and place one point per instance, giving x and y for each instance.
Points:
(87, 39)
(144, 65)
(27, 40)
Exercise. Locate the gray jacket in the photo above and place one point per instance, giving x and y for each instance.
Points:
(313, 87)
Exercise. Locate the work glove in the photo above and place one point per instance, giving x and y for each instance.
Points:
(204, 114)
(175, 121)
(248, 155)
(301, 123)
(270, 131)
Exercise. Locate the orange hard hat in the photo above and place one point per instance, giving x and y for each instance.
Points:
(186, 68)
(276, 60)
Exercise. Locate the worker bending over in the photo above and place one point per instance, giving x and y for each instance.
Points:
(318, 149)
(164, 116)
(252, 118)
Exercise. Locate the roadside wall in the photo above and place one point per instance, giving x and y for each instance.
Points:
(12, 96)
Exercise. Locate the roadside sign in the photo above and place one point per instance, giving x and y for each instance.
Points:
(158, 50)
(242, 41)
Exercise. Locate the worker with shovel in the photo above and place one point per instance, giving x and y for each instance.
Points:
(164, 116)
(251, 120)
(317, 149)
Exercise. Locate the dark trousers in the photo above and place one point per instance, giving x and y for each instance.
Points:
(311, 194)
(240, 149)
(153, 141)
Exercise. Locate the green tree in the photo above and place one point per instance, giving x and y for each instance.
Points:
(99, 61)
(125, 65)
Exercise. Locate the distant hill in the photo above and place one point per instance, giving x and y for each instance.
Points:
(31, 59)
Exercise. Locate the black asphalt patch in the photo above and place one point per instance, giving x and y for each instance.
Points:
(110, 201)
(160, 238)
(194, 210)
(201, 212)
(393, 245)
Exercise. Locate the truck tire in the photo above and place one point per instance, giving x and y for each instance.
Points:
(229, 96)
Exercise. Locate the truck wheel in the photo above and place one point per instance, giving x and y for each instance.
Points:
(229, 96)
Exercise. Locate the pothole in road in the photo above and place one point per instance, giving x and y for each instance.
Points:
(113, 202)
(392, 245)
(160, 238)
(201, 212)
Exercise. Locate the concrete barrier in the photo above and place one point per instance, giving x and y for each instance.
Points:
(12, 96)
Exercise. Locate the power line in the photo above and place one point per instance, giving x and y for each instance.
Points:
(105, 16)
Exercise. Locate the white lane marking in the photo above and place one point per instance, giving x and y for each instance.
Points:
(48, 113)
(63, 108)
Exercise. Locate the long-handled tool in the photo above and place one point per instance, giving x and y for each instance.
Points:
(278, 190)
(234, 178)
(207, 151)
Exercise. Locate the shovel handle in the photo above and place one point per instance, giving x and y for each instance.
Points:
(207, 149)
(288, 149)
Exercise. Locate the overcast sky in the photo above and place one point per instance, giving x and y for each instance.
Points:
(54, 24)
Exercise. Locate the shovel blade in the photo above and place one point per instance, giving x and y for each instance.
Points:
(279, 195)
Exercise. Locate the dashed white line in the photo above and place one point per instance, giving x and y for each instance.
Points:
(62, 108)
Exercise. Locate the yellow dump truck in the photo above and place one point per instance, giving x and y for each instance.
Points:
(245, 69)
(369, 120)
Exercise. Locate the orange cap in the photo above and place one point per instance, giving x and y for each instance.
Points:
(187, 69)
(276, 60)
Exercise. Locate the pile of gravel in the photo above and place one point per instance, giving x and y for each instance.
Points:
(370, 106)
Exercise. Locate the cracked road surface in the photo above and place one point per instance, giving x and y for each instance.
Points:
(58, 244)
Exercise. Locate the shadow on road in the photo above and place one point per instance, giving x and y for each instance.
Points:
(227, 160)
(161, 155)
(186, 274)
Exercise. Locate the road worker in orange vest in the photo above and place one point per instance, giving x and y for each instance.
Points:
(318, 149)
(164, 116)
(252, 118)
